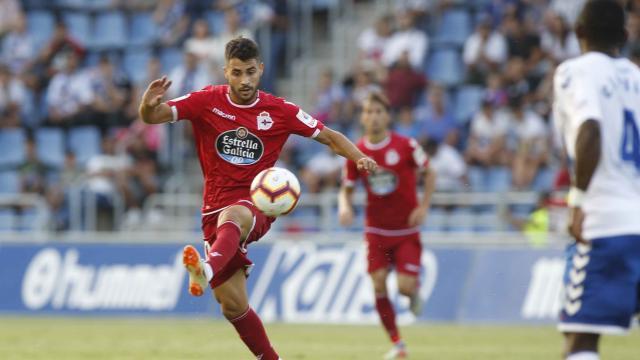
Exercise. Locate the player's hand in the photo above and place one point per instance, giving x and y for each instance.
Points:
(155, 92)
(345, 216)
(367, 164)
(576, 218)
(417, 216)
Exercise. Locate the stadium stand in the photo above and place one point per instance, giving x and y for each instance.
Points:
(130, 34)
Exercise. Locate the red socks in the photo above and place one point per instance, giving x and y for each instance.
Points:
(387, 316)
(251, 331)
(224, 247)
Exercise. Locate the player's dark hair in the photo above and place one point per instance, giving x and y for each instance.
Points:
(379, 98)
(242, 49)
(602, 24)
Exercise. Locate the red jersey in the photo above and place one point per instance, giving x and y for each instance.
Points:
(236, 142)
(391, 190)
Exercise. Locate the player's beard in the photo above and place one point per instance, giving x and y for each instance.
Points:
(245, 93)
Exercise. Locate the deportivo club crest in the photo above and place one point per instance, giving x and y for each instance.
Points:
(391, 157)
(264, 121)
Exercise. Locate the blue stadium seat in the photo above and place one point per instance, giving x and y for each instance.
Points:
(79, 26)
(28, 220)
(142, 29)
(40, 25)
(100, 4)
(73, 4)
(12, 148)
(9, 182)
(170, 58)
(499, 179)
(467, 102)
(454, 28)
(543, 180)
(50, 146)
(445, 67)
(135, 63)
(110, 30)
(7, 220)
(84, 142)
(215, 19)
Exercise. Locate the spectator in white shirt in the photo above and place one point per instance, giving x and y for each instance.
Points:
(373, 40)
(487, 138)
(569, 9)
(12, 97)
(69, 94)
(234, 28)
(484, 51)
(18, 50)
(189, 76)
(201, 43)
(406, 39)
(559, 42)
(9, 12)
(448, 164)
(527, 140)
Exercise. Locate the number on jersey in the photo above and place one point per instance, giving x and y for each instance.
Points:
(630, 139)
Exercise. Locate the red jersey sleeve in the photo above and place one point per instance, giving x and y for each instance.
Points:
(419, 158)
(350, 173)
(299, 122)
(189, 106)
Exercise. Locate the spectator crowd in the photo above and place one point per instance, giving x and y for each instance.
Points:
(471, 81)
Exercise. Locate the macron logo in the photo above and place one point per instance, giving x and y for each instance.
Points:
(214, 254)
(223, 114)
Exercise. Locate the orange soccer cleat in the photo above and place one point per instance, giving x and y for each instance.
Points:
(195, 266)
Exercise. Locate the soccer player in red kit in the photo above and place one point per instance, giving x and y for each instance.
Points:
(239, 131)
(393, 214)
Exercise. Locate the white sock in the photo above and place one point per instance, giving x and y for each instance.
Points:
(584, 355)
(208, 271)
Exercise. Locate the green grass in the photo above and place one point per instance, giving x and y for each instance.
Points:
(119, 338)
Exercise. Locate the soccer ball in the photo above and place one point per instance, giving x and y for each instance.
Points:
(275, 191)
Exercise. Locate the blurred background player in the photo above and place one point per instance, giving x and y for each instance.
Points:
(597, 107)
(393, 213)
(239, 132)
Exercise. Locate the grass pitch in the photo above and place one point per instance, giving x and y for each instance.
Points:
(119, 338)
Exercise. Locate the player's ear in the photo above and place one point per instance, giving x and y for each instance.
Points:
(224, 71)
(261, 67)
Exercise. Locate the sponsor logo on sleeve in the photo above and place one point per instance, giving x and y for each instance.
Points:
(307, 119)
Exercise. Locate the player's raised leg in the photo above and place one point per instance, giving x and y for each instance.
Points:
(408, 286)
(234, 302)
(407, 256)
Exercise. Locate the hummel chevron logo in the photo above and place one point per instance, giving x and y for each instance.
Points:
(576, 276)
(574, 292)
(572, 307)
(580, 262)
(583, 249)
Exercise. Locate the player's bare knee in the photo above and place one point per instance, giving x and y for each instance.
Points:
(406, 289)
(232, 308)
(240, 216)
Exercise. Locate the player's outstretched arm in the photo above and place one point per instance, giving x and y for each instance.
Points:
(152, 110)
(588, 148)
(345, 148)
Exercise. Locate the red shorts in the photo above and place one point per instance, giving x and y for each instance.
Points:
(401, 252)
(261, 224)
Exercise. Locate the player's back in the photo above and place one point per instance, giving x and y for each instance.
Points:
(596, 86)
